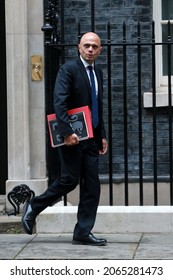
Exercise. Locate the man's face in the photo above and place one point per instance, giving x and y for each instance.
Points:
(90, 47)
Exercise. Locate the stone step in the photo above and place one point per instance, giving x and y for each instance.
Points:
(110, 219)
(2, 208)
(10, 224)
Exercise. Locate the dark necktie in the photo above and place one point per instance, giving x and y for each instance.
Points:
(94, 111)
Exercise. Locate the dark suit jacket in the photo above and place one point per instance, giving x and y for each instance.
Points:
(72, 90)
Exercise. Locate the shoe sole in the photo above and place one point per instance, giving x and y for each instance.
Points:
(75, 242)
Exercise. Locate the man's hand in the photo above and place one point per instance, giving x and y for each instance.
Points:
(104, 147)
(71, 140)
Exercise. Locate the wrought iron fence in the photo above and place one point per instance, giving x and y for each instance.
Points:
(140, 139)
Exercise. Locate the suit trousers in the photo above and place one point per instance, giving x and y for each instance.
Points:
(77, 162)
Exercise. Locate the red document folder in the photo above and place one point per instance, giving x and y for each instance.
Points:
(80, 119)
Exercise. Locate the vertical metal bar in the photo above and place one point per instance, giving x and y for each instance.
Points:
(63, 57)
(79, 36)
(154, 115)
(109, 113)
(140, 117)
(62, 31)
(93, 15)
(169, 57)
(79, 32)
(125, 114)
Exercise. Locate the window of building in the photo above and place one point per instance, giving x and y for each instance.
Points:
(162, 13)
(167, 14)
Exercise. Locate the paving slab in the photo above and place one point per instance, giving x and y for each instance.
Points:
(12, 244)
(125, 246)
(155, 246)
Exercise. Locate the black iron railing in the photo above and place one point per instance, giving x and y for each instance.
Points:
(139, 153)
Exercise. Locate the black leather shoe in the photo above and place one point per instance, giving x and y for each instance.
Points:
(88, 240)
(28, 218)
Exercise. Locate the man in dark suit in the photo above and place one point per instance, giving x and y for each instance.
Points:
(79, 159)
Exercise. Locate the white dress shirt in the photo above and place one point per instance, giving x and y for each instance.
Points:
(87, 70)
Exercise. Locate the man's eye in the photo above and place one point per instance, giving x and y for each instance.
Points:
(95, 47)
(87, 46)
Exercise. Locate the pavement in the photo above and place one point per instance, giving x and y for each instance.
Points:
(16, 245)
(125, 246)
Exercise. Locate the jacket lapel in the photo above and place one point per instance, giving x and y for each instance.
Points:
(84, 75)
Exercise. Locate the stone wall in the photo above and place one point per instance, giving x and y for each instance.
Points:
(25, 98)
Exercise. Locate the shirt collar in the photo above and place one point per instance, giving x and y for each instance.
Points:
(86, 64)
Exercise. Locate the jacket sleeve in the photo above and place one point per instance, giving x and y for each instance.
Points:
(61, 96)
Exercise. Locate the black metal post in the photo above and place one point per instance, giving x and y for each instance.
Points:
(93, 15)
(109, 114)
(169, 57)
(50, 27)
(125, 114)
(154, 115)
(140, 117)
